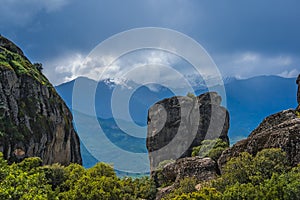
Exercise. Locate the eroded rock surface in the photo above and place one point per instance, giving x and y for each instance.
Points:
(202, 169)
(177, 124)
(280, 130)
(34, 120)
(298, 93)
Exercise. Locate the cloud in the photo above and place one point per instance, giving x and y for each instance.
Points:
(139, 66)
(69, 67)
(22, 12)
(290, 73)
(155, 66)
(250, 64)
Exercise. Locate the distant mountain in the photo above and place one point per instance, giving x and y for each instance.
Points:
(140, 101)
(248, 102)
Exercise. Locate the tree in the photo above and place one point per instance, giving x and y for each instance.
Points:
(29, 164)
(25, 181)
(55, 174)
(38, 66)
(101, 169)
(3, 167)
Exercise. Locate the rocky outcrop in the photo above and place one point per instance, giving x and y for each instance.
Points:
(298, 93)
(34, 120)
(8, 45)
(280, 130)
(202, 169)
(177, 124)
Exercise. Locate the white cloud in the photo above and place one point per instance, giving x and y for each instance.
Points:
(69, 67)
(158, 67)
(290, 73)
(139, 66)
(247, 58)
(250, 64)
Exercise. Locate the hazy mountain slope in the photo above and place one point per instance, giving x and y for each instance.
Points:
(248, 102)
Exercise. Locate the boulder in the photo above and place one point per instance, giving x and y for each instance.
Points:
(280, 130)
(177, 124)
(202, 169)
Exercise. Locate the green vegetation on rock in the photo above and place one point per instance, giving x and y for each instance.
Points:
(191, 95)
(164, 163)
(264, 176)
(298, 113)
(21, 65)
(210, 148)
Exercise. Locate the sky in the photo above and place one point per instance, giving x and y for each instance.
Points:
(244, 38)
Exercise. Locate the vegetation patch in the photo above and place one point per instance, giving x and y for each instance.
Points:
(210, 148)
(264, 176)
(22, 65)
(30, 180)
(298, 113)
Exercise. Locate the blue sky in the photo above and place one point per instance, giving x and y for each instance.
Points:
(244, 38)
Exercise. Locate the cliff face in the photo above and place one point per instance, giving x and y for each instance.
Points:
(298, 93)
(178, 124)
(280, 130)
(34, 120)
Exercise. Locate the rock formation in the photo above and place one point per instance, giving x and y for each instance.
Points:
(34, 120)
(298, 93)
(177, 124)
(280, 130)
(202, 169)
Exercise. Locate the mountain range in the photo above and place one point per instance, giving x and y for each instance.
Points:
(248, 102)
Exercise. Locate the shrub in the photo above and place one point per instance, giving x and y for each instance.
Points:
(210, 148)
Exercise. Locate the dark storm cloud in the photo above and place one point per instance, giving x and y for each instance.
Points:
(51, 31)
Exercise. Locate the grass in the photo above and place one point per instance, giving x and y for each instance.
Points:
(21, 65)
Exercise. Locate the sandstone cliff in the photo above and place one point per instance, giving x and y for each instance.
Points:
(34, 120)
(177, 124)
